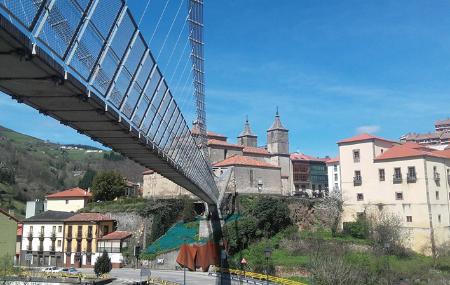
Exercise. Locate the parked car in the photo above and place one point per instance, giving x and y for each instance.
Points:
(52, 269)
(70, 271)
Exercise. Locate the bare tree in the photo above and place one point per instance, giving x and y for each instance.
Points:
(330, 211)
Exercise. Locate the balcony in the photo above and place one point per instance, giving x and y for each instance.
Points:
(357, 181)
(411, 178)
(53, 236)
(30, 235)
(89, 235)
(69, 235)
(397, 179)
(79, 235)
(41, 248)
(41, 235)
(52, 249)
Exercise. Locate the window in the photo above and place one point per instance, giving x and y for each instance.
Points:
(398, 172)
(59, 229)
(437, 195)
(336, 187)
(411, 178)
(59, 243)
(381, 174)
(439, 219)
(54, 229)
(335, 168)
(409, 219)
(67, 202)
(360, 197)
(335, 177)
(314, 187)
(398, 196)
(357, 179)
(356, 156)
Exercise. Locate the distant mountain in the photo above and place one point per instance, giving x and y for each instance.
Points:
(31, 168)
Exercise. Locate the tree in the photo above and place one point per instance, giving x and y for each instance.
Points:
(272, 215)
(188, 211)
(388, 234)
(108, 185)
(88, 179)
(103, 264)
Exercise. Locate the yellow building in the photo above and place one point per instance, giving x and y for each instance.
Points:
(82, 232)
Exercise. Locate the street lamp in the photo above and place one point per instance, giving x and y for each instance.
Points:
(267, 254)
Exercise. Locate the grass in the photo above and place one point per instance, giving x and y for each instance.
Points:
(302, 279)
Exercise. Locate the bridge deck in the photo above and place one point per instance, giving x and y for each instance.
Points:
(42, 83)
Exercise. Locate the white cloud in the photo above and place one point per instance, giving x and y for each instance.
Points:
(368, 129)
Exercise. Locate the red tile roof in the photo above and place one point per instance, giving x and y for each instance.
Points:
(443, 153)
(87, 217)
(333, 160)
(117, 235)
(148, 171)
(305, 157)
(223, 144)
(239, 160)
(70, 193)
(410, 150)
(256, 150)
(364, 137)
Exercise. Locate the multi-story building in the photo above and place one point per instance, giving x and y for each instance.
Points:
(334, 175)
(70, 200)
(82, 232)
(115, 244)
(408, 180)
(439, 139)
(43, 239)
(309, 175)
(8, 229)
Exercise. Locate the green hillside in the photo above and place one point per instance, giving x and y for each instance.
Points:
(31, 168)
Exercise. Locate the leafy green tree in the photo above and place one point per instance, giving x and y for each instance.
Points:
(271, 214)
(108, 185)
(103, 264)
(88, 179)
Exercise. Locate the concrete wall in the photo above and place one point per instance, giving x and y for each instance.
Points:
(66, 205)
(8, 231)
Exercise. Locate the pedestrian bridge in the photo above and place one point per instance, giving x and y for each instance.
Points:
(86, 64)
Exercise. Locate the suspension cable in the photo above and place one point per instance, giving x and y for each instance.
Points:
(143, 13)
(178, 40)
(170, 29)
(179, 59)
(159, 21)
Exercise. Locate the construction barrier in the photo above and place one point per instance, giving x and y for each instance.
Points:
(159, 281)
(260, 276)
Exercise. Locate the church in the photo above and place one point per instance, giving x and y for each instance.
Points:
(247, 168)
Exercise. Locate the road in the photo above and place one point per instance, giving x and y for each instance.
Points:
(128, 275)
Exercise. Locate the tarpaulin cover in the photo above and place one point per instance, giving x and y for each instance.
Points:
(198, 256)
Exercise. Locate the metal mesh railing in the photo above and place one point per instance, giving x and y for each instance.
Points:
(99, 42)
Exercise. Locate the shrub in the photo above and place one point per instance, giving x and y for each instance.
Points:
(108, 185)
(358, 229)
(103, 264)
(271, 214)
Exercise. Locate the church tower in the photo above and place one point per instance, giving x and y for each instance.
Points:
(278, 137)
(247, 137)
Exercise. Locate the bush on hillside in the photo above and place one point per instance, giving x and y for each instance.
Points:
(271, 215)
(358, 229)
(103, 264)
(108, 185)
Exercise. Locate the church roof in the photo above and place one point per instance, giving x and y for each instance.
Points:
(277, 125)
(239, 160)
(247, 132)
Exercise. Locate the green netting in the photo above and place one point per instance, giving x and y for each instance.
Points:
(177, 235)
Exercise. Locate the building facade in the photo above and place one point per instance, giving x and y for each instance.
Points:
(82, 232)
(439, 139)
(8, 226)
(309, 175)
(115, 244)
(334, 175)
(408, 180)
(43, 239)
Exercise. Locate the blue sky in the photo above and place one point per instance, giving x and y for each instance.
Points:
(334, 68)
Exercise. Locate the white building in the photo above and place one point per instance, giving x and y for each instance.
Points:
(70, 200)
(408, 180)
(334, 175)
(43, 239)
(114, 244)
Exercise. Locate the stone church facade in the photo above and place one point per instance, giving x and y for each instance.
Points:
(244, 167)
